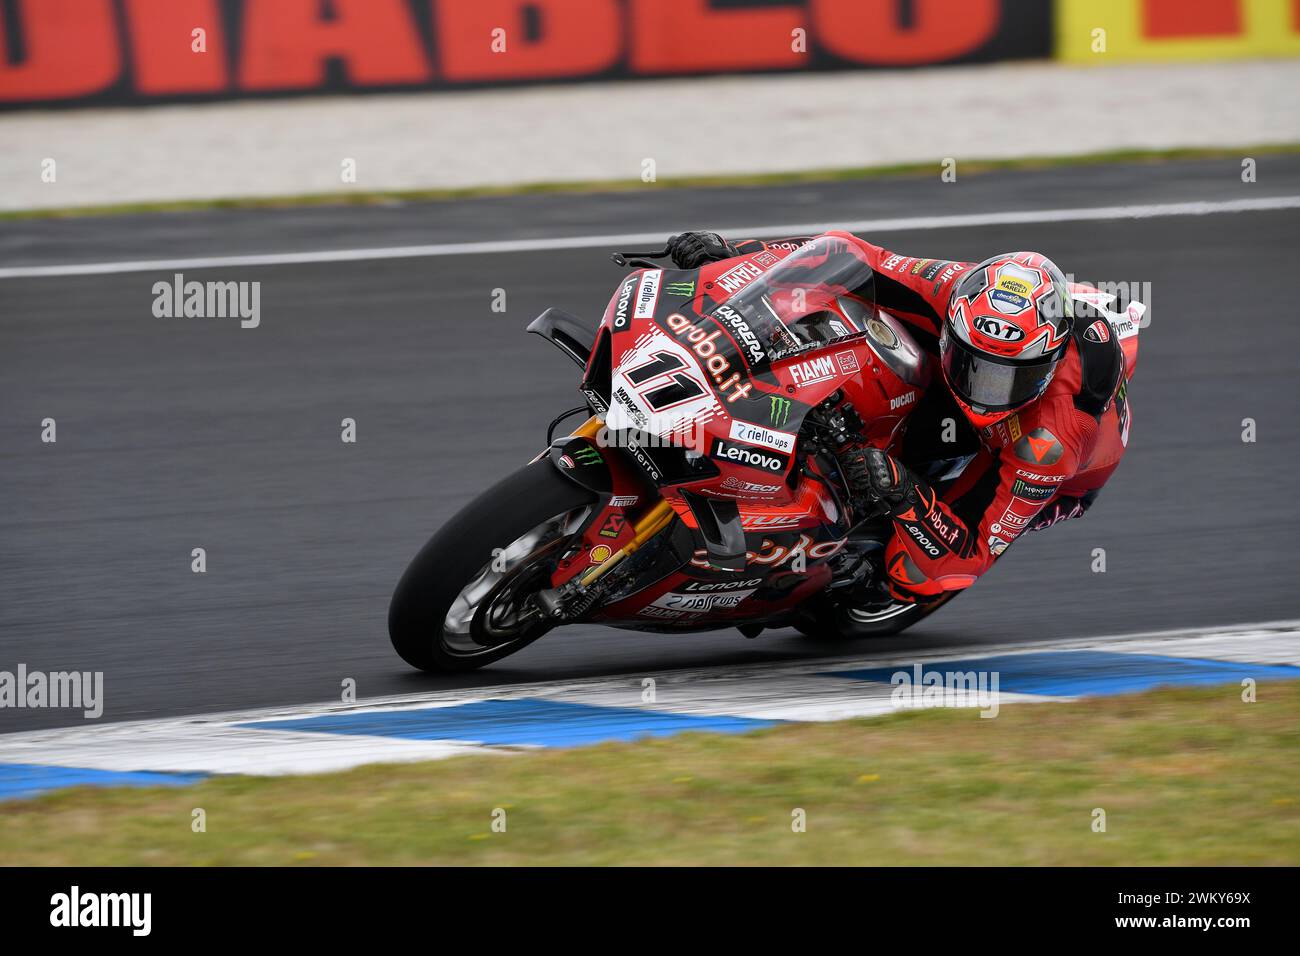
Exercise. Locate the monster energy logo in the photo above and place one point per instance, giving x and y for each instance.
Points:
(778, 412)
(685, 289)
(586, 455)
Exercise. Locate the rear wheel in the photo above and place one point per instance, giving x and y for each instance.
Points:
(465, 600)
(836, 619)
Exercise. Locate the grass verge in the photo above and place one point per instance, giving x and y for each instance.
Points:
(1189, 776)
(364, 198)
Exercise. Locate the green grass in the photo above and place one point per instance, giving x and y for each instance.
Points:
(1185, 776)
(364, 198)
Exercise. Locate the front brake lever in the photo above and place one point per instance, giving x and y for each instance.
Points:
(637, 259)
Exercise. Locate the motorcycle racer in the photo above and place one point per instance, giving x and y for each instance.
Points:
(1037, 378)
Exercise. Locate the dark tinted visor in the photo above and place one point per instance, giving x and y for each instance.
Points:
(989, 385)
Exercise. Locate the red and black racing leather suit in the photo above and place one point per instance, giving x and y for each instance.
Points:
(1041, 465)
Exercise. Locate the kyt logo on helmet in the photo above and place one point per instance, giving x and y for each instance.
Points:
(1008, 327)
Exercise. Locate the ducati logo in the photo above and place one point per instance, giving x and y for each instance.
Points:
(1098, 332)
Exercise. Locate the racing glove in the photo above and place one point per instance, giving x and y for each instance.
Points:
(690, 250)
(875, 476)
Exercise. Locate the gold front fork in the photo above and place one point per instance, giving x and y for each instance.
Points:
(588, 429)
(654, 521)
(650, 524)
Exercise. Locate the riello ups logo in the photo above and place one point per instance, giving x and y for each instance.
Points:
(126, 51)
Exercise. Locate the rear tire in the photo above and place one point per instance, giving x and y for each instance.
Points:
(452, 611)
(846, 622)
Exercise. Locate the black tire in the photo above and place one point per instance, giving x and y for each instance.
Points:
(459, 555)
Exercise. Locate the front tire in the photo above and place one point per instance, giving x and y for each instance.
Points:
(463, 601)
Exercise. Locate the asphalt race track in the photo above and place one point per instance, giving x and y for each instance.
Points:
(183, 433)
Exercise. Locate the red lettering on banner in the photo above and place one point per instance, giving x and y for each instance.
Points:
(684, 36)
(162, 46)
(1173, 19)
(868, 31)
(286, 44)
(575, 38)
(70, 49)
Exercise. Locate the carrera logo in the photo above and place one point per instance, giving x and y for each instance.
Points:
(739, 277)
(648, 297)
(812, 371)
(749, 455)
(998, 329)
(741, 332)
(759, 435)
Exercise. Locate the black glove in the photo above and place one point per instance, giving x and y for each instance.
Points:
(691, 250)
(873, 475)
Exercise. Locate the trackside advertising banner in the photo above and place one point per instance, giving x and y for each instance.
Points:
(124, 52)
(1098, 32)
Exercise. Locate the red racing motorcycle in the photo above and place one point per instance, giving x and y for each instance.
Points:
(703, 491)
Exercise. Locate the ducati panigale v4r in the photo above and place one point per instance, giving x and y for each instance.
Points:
(704, 491)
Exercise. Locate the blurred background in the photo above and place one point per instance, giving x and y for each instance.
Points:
(265, 95)
(146, 138)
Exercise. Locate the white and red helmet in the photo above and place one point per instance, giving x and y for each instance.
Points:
(1008, 326)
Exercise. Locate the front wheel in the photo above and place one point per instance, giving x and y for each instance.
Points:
(465, 600)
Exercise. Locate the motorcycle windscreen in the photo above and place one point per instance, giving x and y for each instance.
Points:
(788, 309)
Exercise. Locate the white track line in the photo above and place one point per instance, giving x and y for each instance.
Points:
(629, 240)
(224, 743)
(1148, 641)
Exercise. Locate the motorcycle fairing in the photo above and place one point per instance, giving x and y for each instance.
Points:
(768, 589)
(708, 417)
